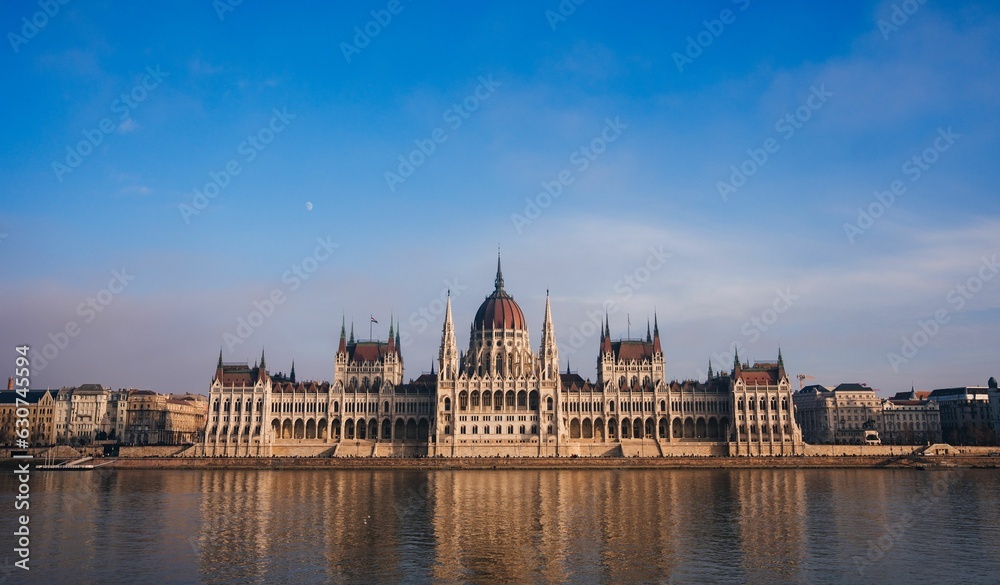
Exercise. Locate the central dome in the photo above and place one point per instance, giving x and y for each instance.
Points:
(499, 311)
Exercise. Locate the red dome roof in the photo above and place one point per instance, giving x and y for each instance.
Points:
(499, 311)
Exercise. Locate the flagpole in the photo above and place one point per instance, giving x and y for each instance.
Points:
(370, 319)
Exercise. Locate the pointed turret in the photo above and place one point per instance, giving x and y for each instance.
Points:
(291, 374)
(649, 336)
(606, 336)
(399, 346)
(351, 340)
(548, 354)
(710, 368)
(498, 283)
(262, 370)
(781, 365)
(736, 363)
(656, 335)
(448, 354)
(218, 368)
(391, 345)
(342, 348)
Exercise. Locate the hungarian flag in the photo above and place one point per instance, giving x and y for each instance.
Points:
(373, 319)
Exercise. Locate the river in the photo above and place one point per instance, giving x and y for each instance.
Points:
(537, 526)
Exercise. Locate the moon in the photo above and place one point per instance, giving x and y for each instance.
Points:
(309, 206)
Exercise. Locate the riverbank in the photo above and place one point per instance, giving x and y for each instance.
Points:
(806, 462)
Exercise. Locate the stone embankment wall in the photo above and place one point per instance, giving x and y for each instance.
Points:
(442, 463)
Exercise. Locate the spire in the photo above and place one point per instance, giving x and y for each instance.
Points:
(548, 354)
(781, 362)
(291, 374)
(499, 280)
(709, 368)
(263, 366)
(448, 353)
(352, 333)
(567, 367)
(218, 368)
(432, 367)
(649, 336)
(342, 348)
(398, 346)
(391, 345)
(606, 337)
(656, 335)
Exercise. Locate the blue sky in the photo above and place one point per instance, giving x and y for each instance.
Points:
(117, 115)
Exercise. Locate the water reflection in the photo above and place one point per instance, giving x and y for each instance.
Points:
(690, 526)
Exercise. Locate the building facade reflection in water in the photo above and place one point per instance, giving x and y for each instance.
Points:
(543, 526)
(501, 527)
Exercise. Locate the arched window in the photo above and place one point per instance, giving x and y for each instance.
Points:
(621, 381)
(475, 398)
(487, 399)
(611, 406)
(447, 404)
(463, 400)
(548, 403)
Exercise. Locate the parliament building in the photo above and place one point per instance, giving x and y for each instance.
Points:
(500, 398)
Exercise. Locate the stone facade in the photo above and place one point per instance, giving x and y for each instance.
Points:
(839, 416)
(164, 419)
(910, 420)
(501, 398)
(41, 416)
(79, 412)
(965, 415)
